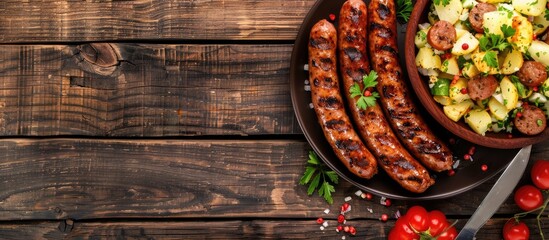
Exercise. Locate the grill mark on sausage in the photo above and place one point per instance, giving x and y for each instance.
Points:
(353, 53)
(355, 15)
(321, 43)
(330, 102)
(356, 75)
(383, 11)
(338, 125)
(347, 145)
(389, 49)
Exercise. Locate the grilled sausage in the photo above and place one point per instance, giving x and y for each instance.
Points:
(482, 87)
(476, 15)
(531, 120)
(442, 35)
(403, 115)
(532, 73)
(328, 103)
(371, 124)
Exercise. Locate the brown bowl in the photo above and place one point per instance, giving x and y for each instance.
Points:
(461, 129)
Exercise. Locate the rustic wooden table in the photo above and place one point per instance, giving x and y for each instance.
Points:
(167, 119)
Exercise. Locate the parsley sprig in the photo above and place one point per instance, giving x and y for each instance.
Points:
(492, 41)
(404, 9)
(317, 175)
(367, 98)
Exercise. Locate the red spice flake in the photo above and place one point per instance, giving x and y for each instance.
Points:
(455, 79)
(339, 228)
(340, 218)
(345, 207)
(465, 46)
(346, 229)
(509, 135)
(332, 16)
(384, 217)
(463, 90)
(484, 167)
(446, 56)
(519, 114)
(535, 37)
(352, 230)
(467, 157)
(472, 150)
(387, 202)
(319, 220)
(367, 93)
(369, 196)
(452, 141)
(451, 172)
(524, 103)
(535, 89)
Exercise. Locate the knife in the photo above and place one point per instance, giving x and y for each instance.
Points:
(499, 192)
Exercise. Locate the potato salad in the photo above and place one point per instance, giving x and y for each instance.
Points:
(487, 62)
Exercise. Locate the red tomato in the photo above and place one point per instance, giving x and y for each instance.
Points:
(528, 197)
(450, 234)
(437, 222)
(513, 230)
(540, 174)
(402, 230)
(418, 218)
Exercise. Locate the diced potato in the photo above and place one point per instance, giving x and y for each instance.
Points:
(456, 94)
(426, 58)
(449, 12)
(469, 70)
(443, 100)
(512, 61)
(482, 65)
(529, 7)
(466, 38)
(450, 66)
(456, 111)
(498, 110)
(524, 33)
(421, 38)
(479, 120)
(539, 51)
(540, 23)
(509, 93)
(492, 21)
(460, 32)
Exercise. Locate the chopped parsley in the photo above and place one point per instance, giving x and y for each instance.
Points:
(317, 175)
(404, 9)
(366, 98)
(441, 2)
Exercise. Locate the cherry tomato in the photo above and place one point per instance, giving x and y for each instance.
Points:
(540, 174)
(528, 197)
(402, 230)
(437, 222)
(418, 218)
(513, 230)
(450, 234)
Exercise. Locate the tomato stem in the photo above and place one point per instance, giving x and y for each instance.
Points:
(541, 209)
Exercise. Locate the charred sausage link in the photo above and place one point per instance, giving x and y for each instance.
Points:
(328, 103)
(394, 94)
(371, 123)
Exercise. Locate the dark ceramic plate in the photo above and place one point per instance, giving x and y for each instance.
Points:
(468, 174)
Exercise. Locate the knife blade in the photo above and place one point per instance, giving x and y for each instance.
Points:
(497, 195)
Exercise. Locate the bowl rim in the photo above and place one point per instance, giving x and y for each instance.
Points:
(493, 140)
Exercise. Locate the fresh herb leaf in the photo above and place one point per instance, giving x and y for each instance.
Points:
(507, 30)
(318, 176)
(491, 59)
(493, 41)
(366, 98)
(404, 9)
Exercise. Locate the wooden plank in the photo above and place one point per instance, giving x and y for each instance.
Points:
(76, 20)
(110, 89)
(228, 229)
(104, 179)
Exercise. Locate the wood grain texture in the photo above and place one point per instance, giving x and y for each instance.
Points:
(77, 20)
(227, 229)
(188, 179)
(106, 89)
